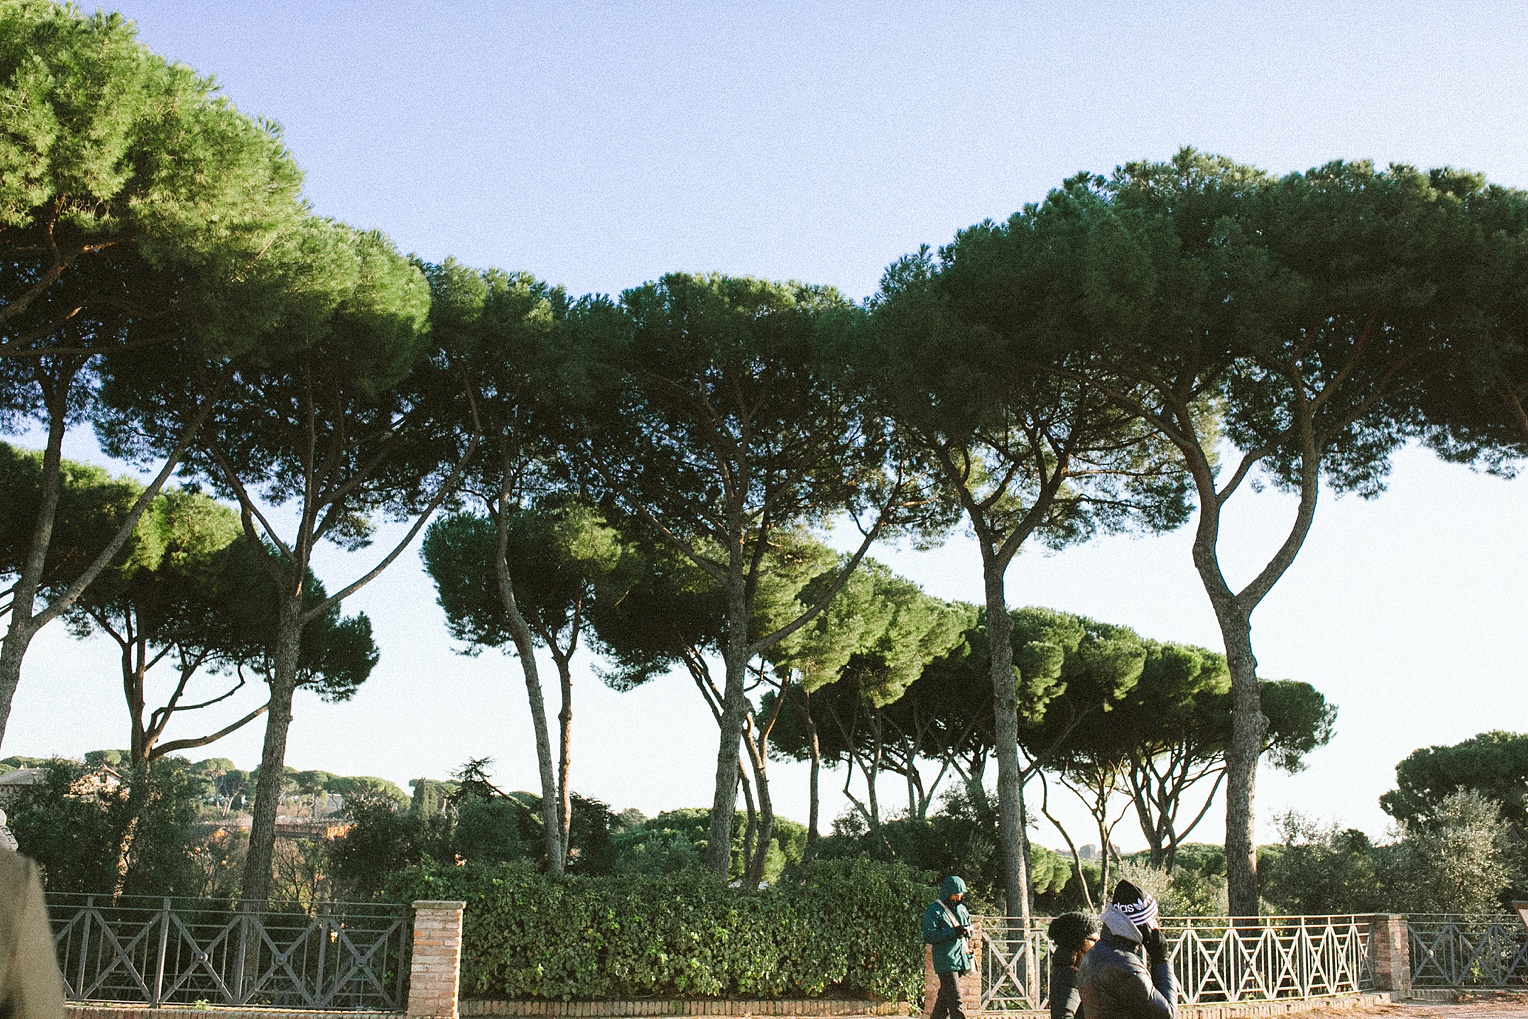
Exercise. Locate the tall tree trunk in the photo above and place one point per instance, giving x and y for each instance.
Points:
(278, 720)
(1104, 891)
(734, 712)
(1248, 726)
(1015, 868)
(565, 753)
(133, 681)
(1233, 612)
(815, 748)
(751, 826)
(125, 852)
(525, 650)
(139, 795)
(1082, 879)
(1152, 816)
(24, 621)
(754, 875)
(23, 627)
(1029, 885)
(873, 775)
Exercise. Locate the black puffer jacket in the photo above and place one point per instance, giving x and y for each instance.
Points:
(1115, 984)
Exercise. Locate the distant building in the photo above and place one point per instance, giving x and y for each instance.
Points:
(1088, 853)
(95, 782)
(13, 782)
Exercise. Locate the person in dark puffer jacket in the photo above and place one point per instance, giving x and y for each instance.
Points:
(1073, 934)
(1114, 981)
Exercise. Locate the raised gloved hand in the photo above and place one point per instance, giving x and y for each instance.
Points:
(1156, 947)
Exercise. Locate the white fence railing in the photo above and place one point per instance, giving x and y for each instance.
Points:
(1015, 964)
(1216, 959)
(1457, 950)
(161, 951)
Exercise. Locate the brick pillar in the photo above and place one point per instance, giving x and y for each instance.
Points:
(970, 982)
(435, 969)
(1390, 953)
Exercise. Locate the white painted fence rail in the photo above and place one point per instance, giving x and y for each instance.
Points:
(1216, 959)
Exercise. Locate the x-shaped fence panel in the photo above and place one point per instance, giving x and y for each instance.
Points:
(1468, 950)
(1215, 959)
(161, 950)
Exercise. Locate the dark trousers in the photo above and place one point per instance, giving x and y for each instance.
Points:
(947, 1005)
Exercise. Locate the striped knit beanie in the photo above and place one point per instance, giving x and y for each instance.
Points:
(1131, 909)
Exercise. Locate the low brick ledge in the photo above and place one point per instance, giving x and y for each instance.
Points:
(486, 1009)
(482, 1008)
(1468, 994)
(105, 1010)
(802, 1008)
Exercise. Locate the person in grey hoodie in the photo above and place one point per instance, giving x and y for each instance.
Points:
(1114, 980)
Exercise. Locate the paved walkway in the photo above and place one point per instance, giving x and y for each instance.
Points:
(1483, 1007)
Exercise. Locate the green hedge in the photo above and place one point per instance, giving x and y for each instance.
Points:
(846, 928)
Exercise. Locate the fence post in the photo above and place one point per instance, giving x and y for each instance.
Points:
(435, 968)
(164, 944)
(79, 981)
(1390, 953)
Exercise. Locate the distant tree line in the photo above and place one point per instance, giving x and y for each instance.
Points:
(651, 473)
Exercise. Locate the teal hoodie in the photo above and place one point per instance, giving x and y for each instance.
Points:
(951, 952)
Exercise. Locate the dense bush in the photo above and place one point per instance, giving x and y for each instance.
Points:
(449, 825)
(833, 927)
(676, 839)
(1186, 891)
(1455, 862)
(1317, 870)
(1459, 860)
(957, 841)
(79, 832)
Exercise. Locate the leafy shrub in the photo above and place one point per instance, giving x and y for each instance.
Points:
(383, 841)
(488, 830)
(653, 850)
(461, 827)
(676, 839)
(839, 927)
(1183, 892)
(78, 835)
(1317, 870)
(1456, 862)
(955, 842)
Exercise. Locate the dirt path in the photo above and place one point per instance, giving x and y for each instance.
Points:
(1478, 1007)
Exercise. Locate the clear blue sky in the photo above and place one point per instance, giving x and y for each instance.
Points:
(599, 145)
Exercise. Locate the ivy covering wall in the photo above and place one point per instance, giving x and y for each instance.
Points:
(838, 928)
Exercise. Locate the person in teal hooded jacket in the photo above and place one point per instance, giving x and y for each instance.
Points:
(947, 927)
